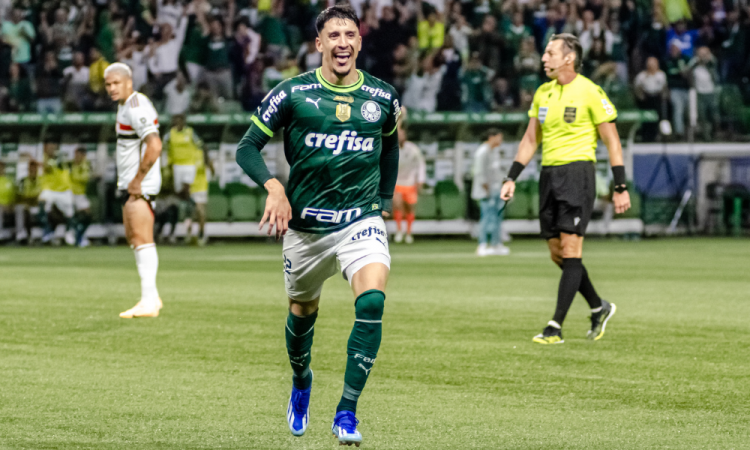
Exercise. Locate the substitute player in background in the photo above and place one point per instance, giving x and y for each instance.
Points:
(341, 143)
(568, 114)
(411, 175)
(56, 196)
(138, 180)
(80, 175)
(199, 196)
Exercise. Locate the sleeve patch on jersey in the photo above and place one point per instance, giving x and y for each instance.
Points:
(125, 127)
(607, 107)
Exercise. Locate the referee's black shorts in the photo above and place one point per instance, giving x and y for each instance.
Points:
(566, 198)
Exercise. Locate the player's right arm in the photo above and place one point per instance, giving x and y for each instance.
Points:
(272, 114)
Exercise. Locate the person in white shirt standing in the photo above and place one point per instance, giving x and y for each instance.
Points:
(486, 189)
(138, 179)
(412, 174)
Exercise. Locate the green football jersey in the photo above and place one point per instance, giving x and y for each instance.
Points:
(332, 141)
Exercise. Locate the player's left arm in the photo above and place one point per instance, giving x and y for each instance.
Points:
(389, 155)
(145, 122)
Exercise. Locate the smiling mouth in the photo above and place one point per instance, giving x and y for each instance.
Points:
(342, 58)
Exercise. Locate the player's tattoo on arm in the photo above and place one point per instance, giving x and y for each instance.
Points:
(152, 153)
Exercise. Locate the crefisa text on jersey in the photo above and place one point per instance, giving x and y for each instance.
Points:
(376, 92)
(273, 105)
(337, 143)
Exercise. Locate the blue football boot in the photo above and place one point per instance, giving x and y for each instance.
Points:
(298, 412)
(345, 428)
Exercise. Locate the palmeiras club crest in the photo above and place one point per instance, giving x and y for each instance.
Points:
(370, 111)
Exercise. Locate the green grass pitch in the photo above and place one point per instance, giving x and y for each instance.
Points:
(456, 370)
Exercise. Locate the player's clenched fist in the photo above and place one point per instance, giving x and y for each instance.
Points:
(508, 189)
(278, 211)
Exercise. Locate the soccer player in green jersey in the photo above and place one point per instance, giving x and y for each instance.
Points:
(341, 143)
(568, 115)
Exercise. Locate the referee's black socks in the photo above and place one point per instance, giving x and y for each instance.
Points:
(587, 290)
(570, 282)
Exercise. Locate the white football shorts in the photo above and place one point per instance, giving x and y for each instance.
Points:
(310, 259)
(183, 175)
(200, 197)
(62, 200)
(81, 202)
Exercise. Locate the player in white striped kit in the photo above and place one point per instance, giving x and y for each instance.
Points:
(138, 180)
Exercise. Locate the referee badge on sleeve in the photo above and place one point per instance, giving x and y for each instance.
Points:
(570, 114)
(543, 113)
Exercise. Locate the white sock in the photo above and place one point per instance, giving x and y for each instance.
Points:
(147, 261)
(596, 310)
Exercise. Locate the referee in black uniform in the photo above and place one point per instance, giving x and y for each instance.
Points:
(568, 115)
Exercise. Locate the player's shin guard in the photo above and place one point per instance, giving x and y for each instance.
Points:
(299, 340)
(147, 261)
(569, 284)
(363, 346)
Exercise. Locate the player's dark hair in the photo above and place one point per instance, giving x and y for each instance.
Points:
(491, 132)
(571, 44)
(340, 11)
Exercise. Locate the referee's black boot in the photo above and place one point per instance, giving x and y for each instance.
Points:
(550, 335)
(599, 320)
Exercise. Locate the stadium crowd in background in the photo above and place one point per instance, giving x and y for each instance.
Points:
(203, 56)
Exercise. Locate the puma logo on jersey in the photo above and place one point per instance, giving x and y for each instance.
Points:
(331, 216)
(336, 143)
(273, 105)
(314, 102)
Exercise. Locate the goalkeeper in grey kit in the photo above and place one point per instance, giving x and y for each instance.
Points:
(341, 143)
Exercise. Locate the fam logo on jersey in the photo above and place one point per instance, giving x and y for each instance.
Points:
(337, 143)
(607, 107)
(376, 92)
(273, 105)
(370, 111)
(330, 215)
(306, 87)
(570, 114)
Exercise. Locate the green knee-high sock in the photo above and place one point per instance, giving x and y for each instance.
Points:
(299, 339)
(363, 346)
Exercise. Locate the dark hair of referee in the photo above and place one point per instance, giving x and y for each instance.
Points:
(570, 44)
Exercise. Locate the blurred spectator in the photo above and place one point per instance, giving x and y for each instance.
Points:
(596, 57)
(49, 85)
(616, 48)
(705, 79)
(516, 33)
(19, 34)
(679, 86)
(136, 58)
(248, 41)
(27, 202)
(706, 32)
(169, 11)
(651, 91)
(423, 86)
(683, 37)
(460, 32)
(19, 89)
(475, 86)
(60, 37)
(449, 98)
(76, 82)
(164, 54)
(272, 75)
(194, 50)
(203, 101)
(177, 94)
(218, 72)
(527, 64)
(734, 48)
(96, 78)
(405, 62)
(430, 30)
(590, 30)
(487, 41)
(502, 97)
(308, 57)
